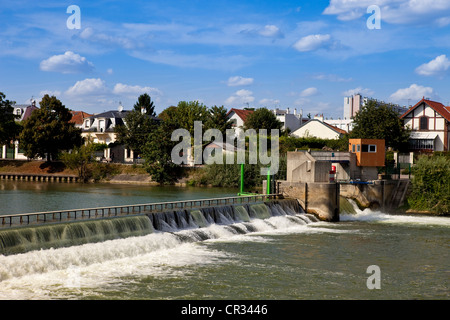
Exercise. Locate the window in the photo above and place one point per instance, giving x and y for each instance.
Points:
(358, 148)
(353, 148)
(423, 124)
(421, 144)
(369, 148)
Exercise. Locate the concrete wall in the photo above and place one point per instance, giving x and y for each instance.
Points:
(301, 166)
(376, 195)
(320, 199)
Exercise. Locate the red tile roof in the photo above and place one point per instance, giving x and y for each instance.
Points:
(243, 114)
(339, 130)
(79, 116)
(436, 106)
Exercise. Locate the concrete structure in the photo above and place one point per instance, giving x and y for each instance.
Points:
(319, 129)
(353, 104)
(356, 102)
(291, 120)
(430, 125)
(320, 199)
(342, 124)
(302, 166)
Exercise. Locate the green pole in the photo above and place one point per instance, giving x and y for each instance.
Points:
(268, 181)
(242, 178)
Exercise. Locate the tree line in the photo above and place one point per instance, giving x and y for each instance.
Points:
(49, 134)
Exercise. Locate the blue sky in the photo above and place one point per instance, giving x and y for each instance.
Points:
(298, 54)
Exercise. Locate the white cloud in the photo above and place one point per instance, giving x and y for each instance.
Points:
(331, 77)
(88, 87)
(269, 102)
(271, 31)
(68, 62)
(393, 11)
(240, 97)
(134, 91)
(239, 81)
(413, 92)
(309, 92)
(362, 91)
(268, 31)
(312, 42)
(436, 67)
(55, 93)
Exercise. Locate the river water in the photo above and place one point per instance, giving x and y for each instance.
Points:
(280, 259)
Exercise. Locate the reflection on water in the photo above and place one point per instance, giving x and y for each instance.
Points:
(25, 197)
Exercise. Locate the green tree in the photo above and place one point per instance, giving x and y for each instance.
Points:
(262, 119)
(145, 103)
(189, 112)
(48, 131)
(134, 133)
(218, 119)
(9, 128)
(379, 121)
(157, 154)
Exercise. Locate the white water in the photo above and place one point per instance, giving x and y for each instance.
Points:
(84, 271)
(63, 272)
(378, 216)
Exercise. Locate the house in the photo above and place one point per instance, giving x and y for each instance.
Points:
(290, 121)
(429, 122)
(78, 118)
(12, 151)
(23, 111)
(217, 149)
(318, 128)
(237, 118)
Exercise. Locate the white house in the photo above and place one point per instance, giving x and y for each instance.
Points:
(12, 151)
(291, 121)
(319, 129)
(429, 122)
(237, 118)
(99, 128)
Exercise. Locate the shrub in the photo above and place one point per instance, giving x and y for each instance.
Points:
(431, 185)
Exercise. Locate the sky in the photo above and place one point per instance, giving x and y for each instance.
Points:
(304, 55)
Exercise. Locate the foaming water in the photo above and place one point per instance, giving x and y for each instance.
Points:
(378, 216)
(80, 269)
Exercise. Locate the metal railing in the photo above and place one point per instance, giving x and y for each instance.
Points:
(20, 219)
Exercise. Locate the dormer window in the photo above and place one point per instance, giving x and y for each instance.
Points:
(423, 123)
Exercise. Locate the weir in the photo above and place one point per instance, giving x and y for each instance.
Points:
(237, 217)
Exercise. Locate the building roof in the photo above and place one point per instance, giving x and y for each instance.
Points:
(336, 129)
(243, 114)
(436, 106)
(79, 116)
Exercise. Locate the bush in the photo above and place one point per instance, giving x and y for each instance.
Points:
(431, 185)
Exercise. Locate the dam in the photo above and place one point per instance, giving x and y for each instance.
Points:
(21, 233)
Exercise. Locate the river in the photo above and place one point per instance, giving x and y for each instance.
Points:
(279, 259)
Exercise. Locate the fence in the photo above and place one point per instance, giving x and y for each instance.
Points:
(103, 212)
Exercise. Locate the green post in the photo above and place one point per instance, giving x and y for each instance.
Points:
(268, 181)
(242, 178)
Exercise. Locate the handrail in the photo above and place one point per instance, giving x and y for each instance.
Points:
(92, 213)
